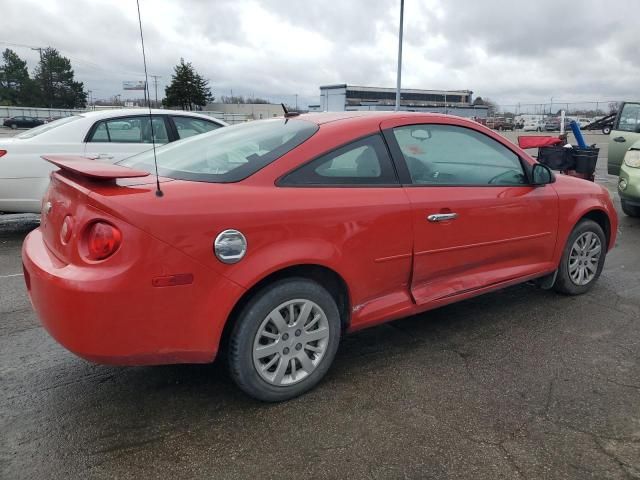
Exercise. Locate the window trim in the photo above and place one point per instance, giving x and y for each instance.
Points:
(405, 176)
(96, 124)
(281, 181)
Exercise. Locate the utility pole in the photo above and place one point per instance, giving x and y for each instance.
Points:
(296, 102)
(50, 82)
(399, 77)
(155, 85)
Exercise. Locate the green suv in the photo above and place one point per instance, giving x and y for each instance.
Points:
(624, 156)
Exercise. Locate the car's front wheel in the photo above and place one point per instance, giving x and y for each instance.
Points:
(630, 210)
(13, 126)
(582, 259)
(284, 340)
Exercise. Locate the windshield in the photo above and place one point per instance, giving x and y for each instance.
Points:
(228, 154)
(48, 126)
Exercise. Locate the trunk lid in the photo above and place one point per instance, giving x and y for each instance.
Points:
(69, 196)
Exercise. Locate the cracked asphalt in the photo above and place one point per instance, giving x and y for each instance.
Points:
(522, 383)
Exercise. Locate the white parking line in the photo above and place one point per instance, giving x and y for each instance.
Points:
(13, 275)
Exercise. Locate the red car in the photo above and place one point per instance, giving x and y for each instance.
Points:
(269, 240)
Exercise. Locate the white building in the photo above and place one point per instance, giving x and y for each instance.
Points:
(343, 97)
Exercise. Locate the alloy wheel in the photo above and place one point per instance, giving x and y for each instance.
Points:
(291, 342)
(584, 258)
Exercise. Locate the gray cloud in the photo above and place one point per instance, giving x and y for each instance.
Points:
(509, 51)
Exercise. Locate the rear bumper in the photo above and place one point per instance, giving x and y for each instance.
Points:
(115, 316)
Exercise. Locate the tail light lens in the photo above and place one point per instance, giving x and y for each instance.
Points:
(3, 153)
(103, 239)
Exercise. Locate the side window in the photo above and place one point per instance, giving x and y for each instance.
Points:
(188, 127)
(130, 130)
(450, 155)
(363, 162)
(100, 134)
(630, 118)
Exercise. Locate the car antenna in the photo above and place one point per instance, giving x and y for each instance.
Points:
(159, 192)
(287, 113)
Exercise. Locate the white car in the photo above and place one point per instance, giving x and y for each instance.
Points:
(533, 126)
(107, 135)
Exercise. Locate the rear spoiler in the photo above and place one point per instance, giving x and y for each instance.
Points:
(93, 169)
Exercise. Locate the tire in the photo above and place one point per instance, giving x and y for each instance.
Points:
(606, 130)
(499, 129)
(255, 328)
(566, 281)
(13, 126)
(630, 210)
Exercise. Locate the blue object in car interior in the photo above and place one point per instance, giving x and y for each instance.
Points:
(575, 128)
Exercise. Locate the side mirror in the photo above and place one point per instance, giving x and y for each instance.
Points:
(541, 175)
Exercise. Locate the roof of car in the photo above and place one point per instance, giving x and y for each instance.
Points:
(121, 112)
(326, 117)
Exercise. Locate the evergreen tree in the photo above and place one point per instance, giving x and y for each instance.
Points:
(55, 79)
(188, 89)
(16, 88)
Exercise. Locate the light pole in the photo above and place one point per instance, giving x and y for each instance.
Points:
(550, 107)
(399, 77)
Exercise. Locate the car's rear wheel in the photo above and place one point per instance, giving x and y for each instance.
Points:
(285, 339)
(582, 259)
(630, 210)
(606, 130)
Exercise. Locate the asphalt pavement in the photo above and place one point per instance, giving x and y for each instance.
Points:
(521, 383)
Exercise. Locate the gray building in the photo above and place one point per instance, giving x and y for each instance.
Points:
(343, 97)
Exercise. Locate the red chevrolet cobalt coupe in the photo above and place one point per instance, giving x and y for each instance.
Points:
(270, 239)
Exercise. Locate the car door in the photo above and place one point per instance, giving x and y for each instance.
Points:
(352, 196)
(114, 139)
(625, 132)
(476, 220)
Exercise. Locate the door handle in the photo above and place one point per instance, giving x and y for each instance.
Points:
(441, 217)
(103, 156)
(619, 139)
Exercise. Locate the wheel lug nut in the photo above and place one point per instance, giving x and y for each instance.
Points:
(286, 350)
(298, 332)
(285, 336)
(298, 346)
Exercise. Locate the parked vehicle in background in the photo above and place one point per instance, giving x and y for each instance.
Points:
(500, 123)
(552, 124)
(583, 122)
(624, 133)
(106, 135)
(533, 126)
(277, 236)
(624, 156)
(22, 122)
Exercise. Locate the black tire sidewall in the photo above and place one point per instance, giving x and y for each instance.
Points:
(240, 356)
(563, 283)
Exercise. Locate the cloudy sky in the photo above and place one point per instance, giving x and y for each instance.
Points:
(510, 51)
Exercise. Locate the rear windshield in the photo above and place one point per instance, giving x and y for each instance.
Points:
(228, 154)
(48, 126)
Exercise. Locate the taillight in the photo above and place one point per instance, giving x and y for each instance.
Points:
(67, 229)
(3, 153)
(103, 239)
